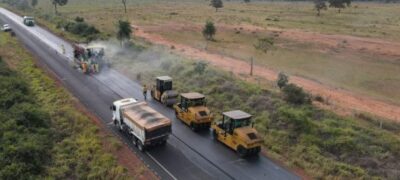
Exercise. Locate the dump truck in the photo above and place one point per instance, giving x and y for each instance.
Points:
(29, 21)
(88, 59)
(162, 91)
(145, 126)
(192, 110)
(235, 131)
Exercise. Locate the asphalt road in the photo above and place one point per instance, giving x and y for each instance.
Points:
(187, 155)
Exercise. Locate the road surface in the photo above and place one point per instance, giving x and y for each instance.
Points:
(187, 155)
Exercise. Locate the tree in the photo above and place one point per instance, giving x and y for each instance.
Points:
(264, 44)
(340, 4)
(282, 80)
(320, 5)
(246, 1)
(295, 95)
(217, 4)
(34, 3)
(124, 3)
(209, 30)
(58, 3)
(124, 30)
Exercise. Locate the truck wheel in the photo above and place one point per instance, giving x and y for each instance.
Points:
(214, 135)
(208, 126)
(193, 126)
(241, 151)
(134, 141)
(120, 128)
(140, 146)
(176, 114)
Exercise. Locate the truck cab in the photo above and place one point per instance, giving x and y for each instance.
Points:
(192, 110)
(29, 21)
(144, 126)
(116, 110)
(236, 132)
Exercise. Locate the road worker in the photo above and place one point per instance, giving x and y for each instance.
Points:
(62, 48)
(84, 69)
(96, 67)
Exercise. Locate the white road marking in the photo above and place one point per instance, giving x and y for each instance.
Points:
(158, 163)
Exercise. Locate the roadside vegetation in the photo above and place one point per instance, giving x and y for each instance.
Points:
(43, 135)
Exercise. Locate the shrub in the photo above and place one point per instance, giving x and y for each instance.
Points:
(264, 44)
(282, 80)
(79, 19)
(295, 95)
(200, 67)
(293, 119)
(80, 28)
(209, 30)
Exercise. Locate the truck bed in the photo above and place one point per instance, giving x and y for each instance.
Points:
(144, 116)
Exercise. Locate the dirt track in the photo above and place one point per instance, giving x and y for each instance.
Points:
(341, 101)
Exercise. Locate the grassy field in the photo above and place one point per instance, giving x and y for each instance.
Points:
(75, 148)
(181, 22)
(362, 19)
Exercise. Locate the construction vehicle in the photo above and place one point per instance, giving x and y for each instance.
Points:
(145, 126)
(193, 111)
(162, 91)
(88, 59)
(29, 21)
(236, 132)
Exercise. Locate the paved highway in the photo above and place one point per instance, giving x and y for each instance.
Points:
(187, 155)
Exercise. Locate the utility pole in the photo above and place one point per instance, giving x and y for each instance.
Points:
(251, 66)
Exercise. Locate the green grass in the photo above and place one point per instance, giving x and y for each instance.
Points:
(336, 67)
(75, 148)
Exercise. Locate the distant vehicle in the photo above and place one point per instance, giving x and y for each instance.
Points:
(162, 91)
(235, 132)
(29, 21)
(193, 111)
(6, 28)
(143, 124)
